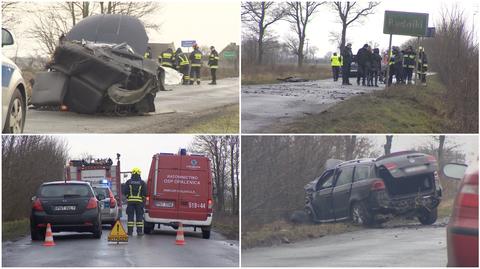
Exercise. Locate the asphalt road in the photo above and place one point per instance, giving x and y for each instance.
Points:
(408, 246)
(182, 104)
(265, 107)
(156, 249)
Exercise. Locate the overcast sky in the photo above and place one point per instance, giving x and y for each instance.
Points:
(326, 21)
(214, 23)
(135, 150)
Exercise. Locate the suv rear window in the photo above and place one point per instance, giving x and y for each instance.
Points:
(61, 190)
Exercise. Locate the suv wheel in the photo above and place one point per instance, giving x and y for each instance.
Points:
(428, 217)
(17, 110)
(97, 230)
(360, 215)
(206, 232)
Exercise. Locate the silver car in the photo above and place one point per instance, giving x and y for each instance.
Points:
(14, 94)
(109, 205)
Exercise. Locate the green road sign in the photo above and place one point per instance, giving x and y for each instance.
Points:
(405, 23)
(229, 54)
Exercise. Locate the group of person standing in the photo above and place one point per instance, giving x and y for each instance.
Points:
(369, 65)
(188, 65)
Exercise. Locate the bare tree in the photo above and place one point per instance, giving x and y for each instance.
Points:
(388, 145)
(299, 14)
(441, 144)
(258, 16)
(350, 12)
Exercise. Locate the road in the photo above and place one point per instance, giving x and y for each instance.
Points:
(265, 107)
(408, 246)
(182, 105)
(156, 249)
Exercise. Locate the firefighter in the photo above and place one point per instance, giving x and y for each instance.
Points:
(399, 66)
(347, 63)
(183, 65)
(391, 65)
(362, 61)
(148, 53)
(166, 58)
(422, 66)
(408, 64)
(135, 190)
(336, 63)
(213, 63)
(195, 64)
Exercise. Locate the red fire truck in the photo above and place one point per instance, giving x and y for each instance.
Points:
(97, 171)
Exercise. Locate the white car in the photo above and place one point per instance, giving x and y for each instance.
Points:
(14, 94)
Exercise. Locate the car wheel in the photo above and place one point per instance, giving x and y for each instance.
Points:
(97, 230)
(310, 216)
(37, 234)
(15, 120)
(148, 227)
(360, 215)
(206, 232)
(428, 217)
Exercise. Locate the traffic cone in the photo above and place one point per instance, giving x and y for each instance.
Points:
(180, 238)
(49, 237)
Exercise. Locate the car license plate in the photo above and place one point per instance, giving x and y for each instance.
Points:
(415, 169)
(167, 204)
(64, 208)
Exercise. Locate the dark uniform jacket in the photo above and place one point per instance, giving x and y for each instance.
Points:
(167, 58)
(347, 56)
(362, 56)
(376, 62)
(196, 58)
(133, 188)
(213, 59)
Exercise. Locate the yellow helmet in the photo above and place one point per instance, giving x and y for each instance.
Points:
(136, 170)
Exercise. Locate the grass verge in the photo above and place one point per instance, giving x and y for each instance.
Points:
(252, 75)
(398, 109)
(227, 225)
(445, 208)
(284, 232)
(14, 229)
(225, 122)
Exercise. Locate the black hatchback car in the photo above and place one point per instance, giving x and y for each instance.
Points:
(67, 206)
(366, 191)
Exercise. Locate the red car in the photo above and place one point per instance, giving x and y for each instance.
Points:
(462, 229)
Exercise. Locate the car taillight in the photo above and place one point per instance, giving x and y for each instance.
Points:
(390, 166)
(378, 185)
(468, 196)
(92, 203)
(210, 203)
(147, 200)
(37, 205)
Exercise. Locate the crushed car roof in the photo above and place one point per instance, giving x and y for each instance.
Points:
(111, 28)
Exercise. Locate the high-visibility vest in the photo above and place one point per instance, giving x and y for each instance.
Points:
(336, 60)
(197, 59)
(167, 59)
(135, 198)
(183, 60)
(147, 55)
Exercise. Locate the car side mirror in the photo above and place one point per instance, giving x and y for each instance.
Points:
(454, 170)
(100, 196)
(7, 38)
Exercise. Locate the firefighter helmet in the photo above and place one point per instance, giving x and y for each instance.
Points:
(136, 171)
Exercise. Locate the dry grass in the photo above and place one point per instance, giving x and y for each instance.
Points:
(221, 123)
(269, 74)
(284, 232)
(14, 229)
(227, 225)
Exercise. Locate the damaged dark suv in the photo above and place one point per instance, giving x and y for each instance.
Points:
(99, 67)
(368, 191)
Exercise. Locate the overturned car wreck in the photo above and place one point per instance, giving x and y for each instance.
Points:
(98, 68)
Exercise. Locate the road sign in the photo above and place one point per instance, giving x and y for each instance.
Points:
(118, 234)
(229, 54)
(405, 23)
(188, 43)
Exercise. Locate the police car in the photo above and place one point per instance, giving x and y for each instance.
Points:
(109, 205)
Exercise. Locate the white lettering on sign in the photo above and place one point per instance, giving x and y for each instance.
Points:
(179, 191)
(185, 180)
(197, 205)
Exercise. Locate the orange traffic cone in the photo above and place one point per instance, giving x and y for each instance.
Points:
(49, 237)
(180, 238)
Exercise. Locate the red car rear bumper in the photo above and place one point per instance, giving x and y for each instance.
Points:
(462, 247)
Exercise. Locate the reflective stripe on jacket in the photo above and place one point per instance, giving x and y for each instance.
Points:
(135, 198)
(196, 58)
